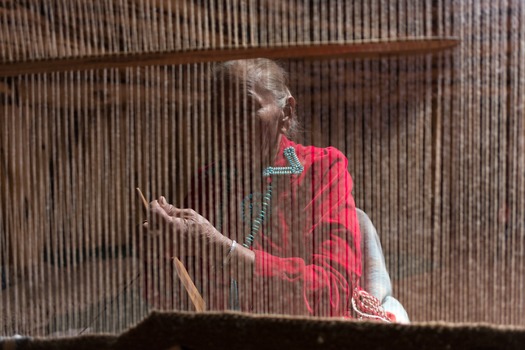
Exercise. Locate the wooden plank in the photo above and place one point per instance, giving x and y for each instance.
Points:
(365, 49)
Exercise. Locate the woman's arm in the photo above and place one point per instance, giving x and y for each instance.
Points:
(376, 279)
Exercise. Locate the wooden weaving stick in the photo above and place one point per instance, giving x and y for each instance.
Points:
(184, 276)
(362, 49)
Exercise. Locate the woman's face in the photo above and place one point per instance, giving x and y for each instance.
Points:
(251, 123)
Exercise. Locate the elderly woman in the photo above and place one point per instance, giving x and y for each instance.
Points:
(288, 238)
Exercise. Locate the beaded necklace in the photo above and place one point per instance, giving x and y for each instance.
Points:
(295, 168)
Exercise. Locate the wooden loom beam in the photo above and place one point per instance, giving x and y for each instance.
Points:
(364, 49)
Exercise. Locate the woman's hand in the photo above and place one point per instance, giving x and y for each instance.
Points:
(187, 224)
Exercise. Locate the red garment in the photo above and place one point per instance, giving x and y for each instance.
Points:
(327, 262)
(307, 252)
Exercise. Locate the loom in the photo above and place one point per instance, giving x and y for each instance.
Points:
(425, 98)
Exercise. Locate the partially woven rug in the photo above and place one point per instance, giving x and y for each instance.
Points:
(164, 330)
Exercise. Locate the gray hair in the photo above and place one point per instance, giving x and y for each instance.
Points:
(259, 76)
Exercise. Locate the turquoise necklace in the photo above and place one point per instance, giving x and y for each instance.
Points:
(295, 168)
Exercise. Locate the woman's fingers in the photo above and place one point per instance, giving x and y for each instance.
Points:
(185, 222)
(158, 218)
(163, 215)
(161, 205)
(170, 209)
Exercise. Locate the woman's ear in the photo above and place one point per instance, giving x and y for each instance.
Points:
(288, 113)
(291, 103)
